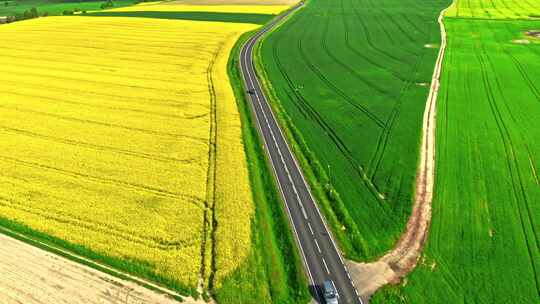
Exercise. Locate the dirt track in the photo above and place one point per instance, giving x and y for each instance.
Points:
(397, 263)
(33, 276)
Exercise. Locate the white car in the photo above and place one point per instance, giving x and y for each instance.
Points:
(330, 292)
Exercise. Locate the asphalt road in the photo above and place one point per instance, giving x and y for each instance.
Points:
(321, 257)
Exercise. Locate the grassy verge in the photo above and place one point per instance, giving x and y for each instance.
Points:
(273, 272)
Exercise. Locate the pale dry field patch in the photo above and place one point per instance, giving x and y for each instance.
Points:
(34, 276)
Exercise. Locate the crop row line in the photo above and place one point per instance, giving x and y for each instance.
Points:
(345, 151)
(369, 39)
(73, 220)
(140, 41)
(346, 67)
(337, 90)
(360, 54)
(105, 124)
(208, 243)
(170, 103)
(136, 67)
(109, 55)
(102, 106)
(102, 148)
(511, 158)
(112, 73)
(86, 80)
(134, 31)
(104, 180)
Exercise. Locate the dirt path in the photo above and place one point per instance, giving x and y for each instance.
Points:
(397, 263)
(33, 276)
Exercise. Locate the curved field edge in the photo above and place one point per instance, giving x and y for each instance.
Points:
(276, 262)
(336, 215)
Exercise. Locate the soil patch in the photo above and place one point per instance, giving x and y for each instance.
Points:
(521, 41)
(533, 33)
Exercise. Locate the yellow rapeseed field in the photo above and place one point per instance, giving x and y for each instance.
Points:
(122, 135)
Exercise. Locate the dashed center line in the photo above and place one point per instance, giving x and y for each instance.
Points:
(317, 244)
(326, 266)
(310, 229)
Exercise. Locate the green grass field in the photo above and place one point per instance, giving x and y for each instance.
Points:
(484, 244)
(352, 77)
(55, 7)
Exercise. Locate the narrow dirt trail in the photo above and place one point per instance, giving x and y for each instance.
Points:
(368, 277)
(34, 276)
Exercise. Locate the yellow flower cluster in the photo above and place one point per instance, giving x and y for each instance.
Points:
(122, 135)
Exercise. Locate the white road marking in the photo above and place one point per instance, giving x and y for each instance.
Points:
(317, 244)
(310, 229)
(326, 266)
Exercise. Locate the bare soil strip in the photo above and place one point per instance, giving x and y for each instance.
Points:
(368, 277)
(34, 276)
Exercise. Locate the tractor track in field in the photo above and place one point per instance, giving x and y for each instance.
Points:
(314, 114)
(102, 148)
(334, 88)
(346, 152)
(368, 277)
(369, 39)
(513, 167)
(104, 124)
(382, 143)
(103, 180)
(208, 246)
(360, 54)
(57, 99)
(347, 67)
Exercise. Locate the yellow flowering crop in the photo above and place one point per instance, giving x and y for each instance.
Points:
(122, 135)
(494, 9)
